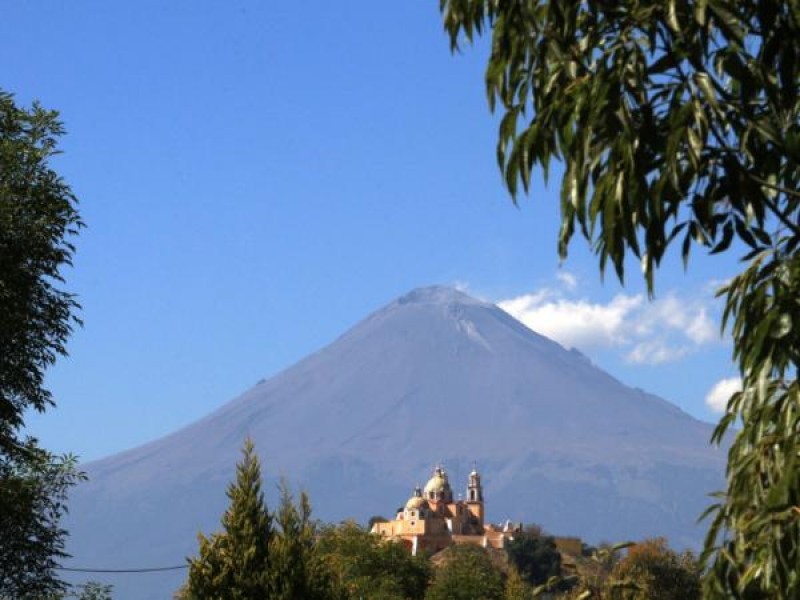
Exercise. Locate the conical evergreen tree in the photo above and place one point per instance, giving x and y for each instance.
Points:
(235, 563)
(297, 571)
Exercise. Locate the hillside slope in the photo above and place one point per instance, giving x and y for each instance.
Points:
(434, 376)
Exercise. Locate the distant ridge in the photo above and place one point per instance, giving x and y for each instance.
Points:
(433, 375)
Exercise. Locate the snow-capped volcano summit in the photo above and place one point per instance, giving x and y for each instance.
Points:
(435, 375)
(436, 294)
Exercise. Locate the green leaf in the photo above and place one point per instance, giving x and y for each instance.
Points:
(782, 326)
(793, 145)
(703, 81)
(700, 12)
(744, 233)
(767, 130)
(672, 16)
(695, 146)
(727, 237)
(727, 21)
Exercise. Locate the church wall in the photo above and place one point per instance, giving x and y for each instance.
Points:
(476, 509)
(384, 529)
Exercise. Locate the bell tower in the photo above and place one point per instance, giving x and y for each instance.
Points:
(475, 496)
(474, 489)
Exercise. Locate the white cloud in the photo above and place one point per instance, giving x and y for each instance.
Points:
(654, 352)
(663, 330)
(717, 398)
(702, 330)
(567, 279)
(573, 322)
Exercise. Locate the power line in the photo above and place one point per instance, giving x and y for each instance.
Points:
(151, 570)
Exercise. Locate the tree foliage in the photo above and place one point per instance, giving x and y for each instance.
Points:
(516, 588)
(92, 590)
(678, 122)
(364, 566)
(38, 216)
(467, 574)
(33, 491)
(534, 556)
(652, 571)
(596, 566)
(297, 571)
(259, 554)
(235, 563)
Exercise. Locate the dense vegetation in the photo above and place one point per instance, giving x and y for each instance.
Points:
(534, 556)
(285, 554)
(362, 565)
(38, 219)
(33, 491)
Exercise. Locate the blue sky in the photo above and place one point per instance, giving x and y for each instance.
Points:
(257, 177)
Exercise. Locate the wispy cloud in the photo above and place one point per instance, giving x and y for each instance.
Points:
(664, 330)
(718, 396)
(461, 285)
(567, 279)
(654, 352)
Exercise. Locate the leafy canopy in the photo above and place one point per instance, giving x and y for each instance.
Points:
(365, 566)
(92, 590)
(515, 587)
(33, 492)
(678, 122)
(38, 216)
(467, 573)
(652, 571)
(534, 556)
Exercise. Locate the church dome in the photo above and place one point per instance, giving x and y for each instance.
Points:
(415, 503)
(437, 483)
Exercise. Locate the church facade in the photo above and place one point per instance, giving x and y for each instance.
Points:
(431, 520)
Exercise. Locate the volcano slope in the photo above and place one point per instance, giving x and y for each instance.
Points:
(433, 376)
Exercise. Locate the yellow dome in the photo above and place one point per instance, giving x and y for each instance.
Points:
(415, 503)
(437, 483)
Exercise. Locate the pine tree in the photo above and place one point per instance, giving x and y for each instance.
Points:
(235, 564)
(291, 548)
(297, 570)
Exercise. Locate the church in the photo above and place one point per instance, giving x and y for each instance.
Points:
(431, 520)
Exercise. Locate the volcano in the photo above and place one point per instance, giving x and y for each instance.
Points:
(434, 376)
